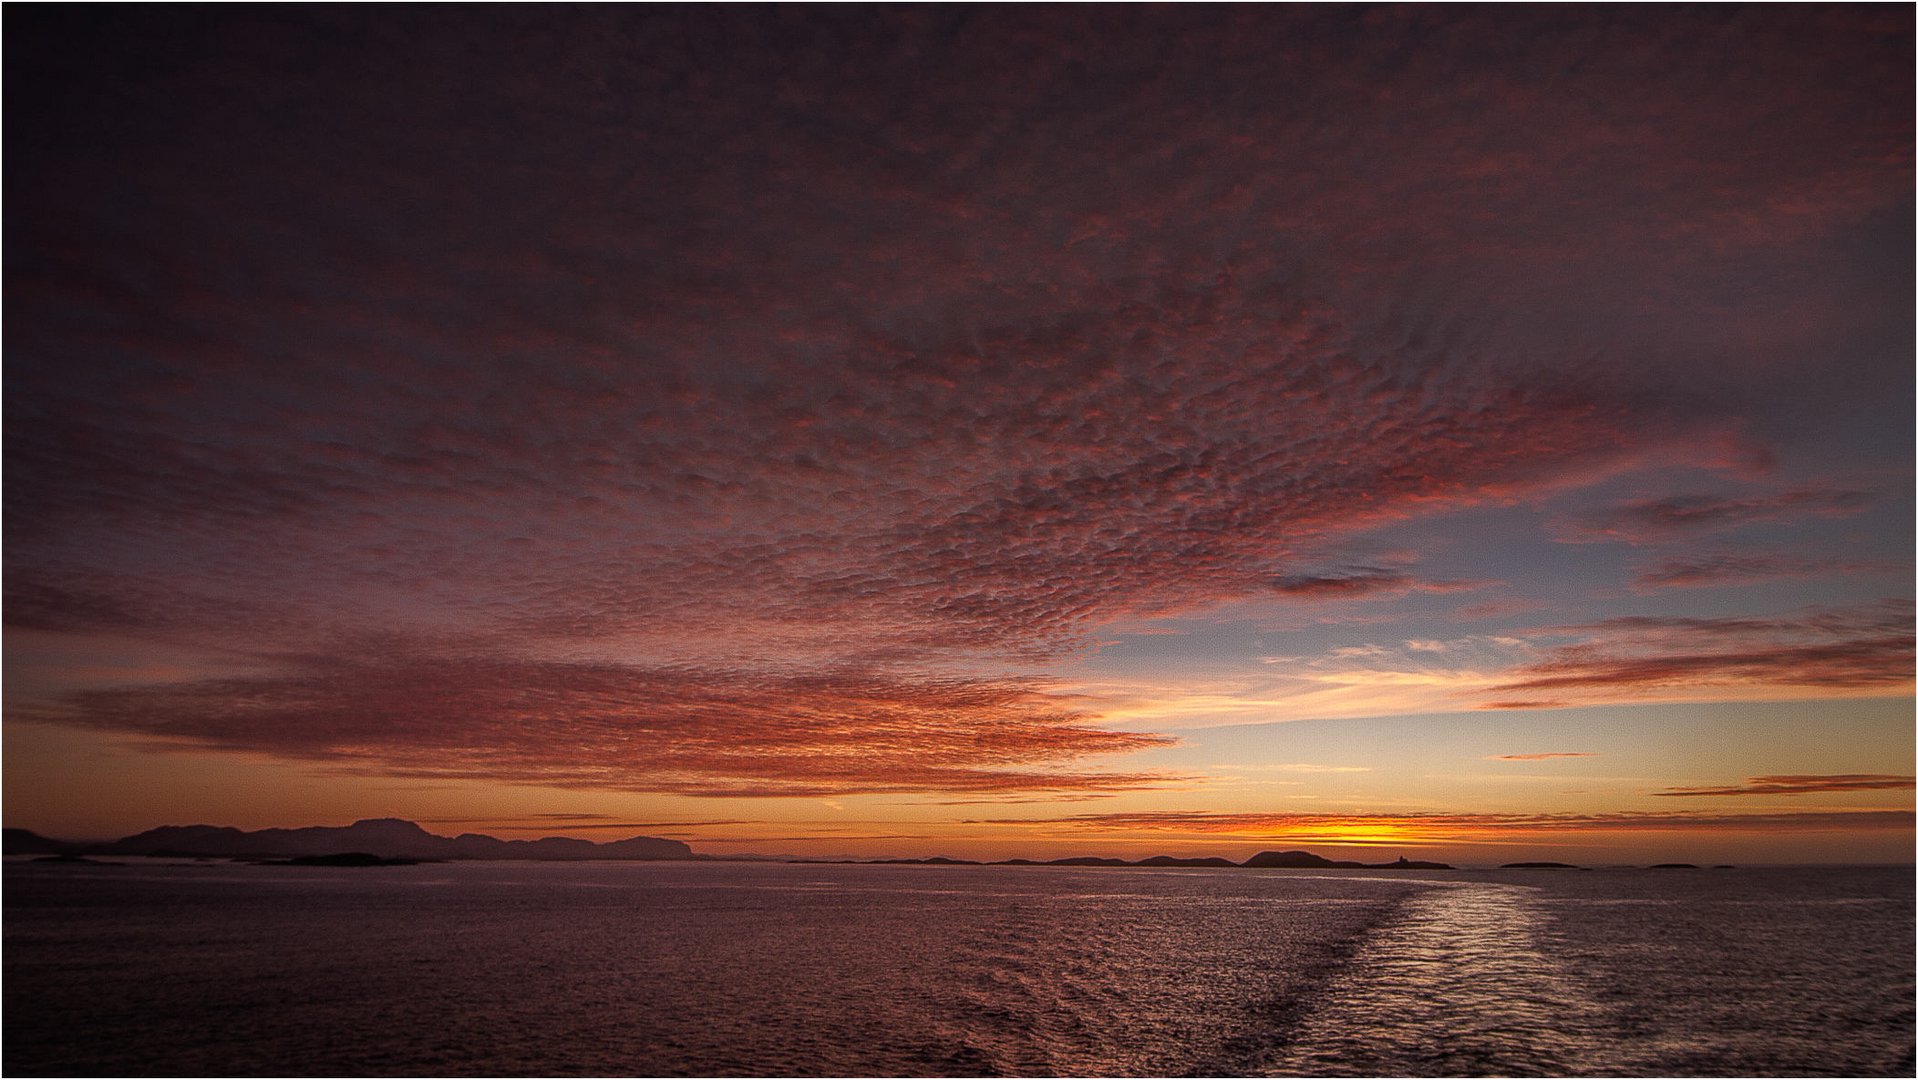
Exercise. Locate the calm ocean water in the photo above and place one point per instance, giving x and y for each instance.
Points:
(772, 969)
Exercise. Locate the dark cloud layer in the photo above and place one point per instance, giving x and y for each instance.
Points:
(652, 354)
(1799, 785)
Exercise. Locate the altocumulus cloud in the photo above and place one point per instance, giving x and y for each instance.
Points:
(623, 365)
(678, 730)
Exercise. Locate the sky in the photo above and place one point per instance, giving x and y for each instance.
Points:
(1454, 432)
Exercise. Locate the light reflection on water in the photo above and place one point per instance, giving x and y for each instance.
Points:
(756, 969)
(1460, 984)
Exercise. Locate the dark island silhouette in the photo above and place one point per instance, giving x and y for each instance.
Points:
(1305, 860)
(395, 842)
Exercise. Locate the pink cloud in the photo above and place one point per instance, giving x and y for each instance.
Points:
(1727, 568)
(688, 730)
(918, 351)
(1842, 651)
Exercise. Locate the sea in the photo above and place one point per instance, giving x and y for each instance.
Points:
(175, 968)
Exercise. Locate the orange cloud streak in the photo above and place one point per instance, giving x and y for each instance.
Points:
(1798, 785)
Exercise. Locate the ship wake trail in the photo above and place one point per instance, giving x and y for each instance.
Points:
(1460, 984)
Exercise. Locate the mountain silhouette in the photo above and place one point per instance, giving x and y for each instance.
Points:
(28, 842)
(386, 838)
(395, 839)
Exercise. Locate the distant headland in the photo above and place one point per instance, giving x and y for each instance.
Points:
(386, 840)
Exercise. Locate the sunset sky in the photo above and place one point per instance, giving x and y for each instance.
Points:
(1471, 433)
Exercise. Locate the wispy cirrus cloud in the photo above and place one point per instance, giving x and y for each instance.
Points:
(1798, 785)
(1540, 757)
(1857, 650)
(1308, 767)
(1730, 568)
(1651, 520)
(1860, 651)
